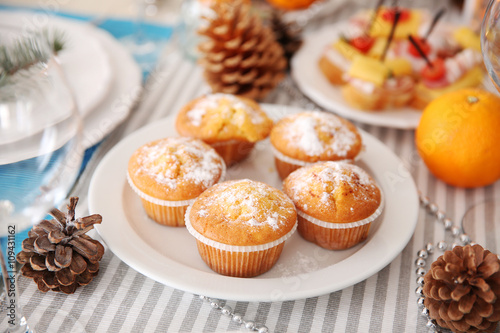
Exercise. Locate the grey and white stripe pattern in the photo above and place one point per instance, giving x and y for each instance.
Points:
(123, 300)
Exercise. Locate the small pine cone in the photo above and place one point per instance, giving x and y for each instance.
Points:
(58, 255)
(462, 289)
(240, 56)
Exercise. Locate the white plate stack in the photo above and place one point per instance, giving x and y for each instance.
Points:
(105, 79)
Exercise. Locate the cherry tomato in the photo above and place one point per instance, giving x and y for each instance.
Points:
(390, 13)
(363, 43)
(434, 73)
(424, 46)
(441, 83)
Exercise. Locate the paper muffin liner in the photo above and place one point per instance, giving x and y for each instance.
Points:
(285, 165)
(238, 261)
(170, 216)
(233, 151)
(239, 264)
(336, 236)
(166, 212)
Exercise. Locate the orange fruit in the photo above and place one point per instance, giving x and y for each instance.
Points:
(458, 137)
(291, 4)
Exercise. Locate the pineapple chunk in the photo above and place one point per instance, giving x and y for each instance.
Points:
(399, 66)
(369, 69)
(411, 26)
(467, 38)
(346, 49)
(378, 48)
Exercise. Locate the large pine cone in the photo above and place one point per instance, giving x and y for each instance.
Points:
(462, 288)
(240, 55)
(58, 255)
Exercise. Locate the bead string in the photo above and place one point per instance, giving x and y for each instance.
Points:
(227, 311)
(422, 255)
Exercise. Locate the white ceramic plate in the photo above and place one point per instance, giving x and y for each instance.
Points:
(84, 60)
(170, 256)
(307, 75)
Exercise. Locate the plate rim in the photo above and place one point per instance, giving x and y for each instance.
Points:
(126, 246)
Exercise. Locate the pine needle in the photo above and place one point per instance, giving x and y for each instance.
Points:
(28, 51)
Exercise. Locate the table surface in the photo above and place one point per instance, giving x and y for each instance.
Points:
(123, 300)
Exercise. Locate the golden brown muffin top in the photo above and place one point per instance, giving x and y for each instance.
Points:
(333, 192)
(243, 212)
(175, 168)
(222, 117)
(316, 136)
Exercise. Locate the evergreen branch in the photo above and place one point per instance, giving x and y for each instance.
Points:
(27, 51)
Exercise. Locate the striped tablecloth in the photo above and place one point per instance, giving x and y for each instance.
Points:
(123, 300)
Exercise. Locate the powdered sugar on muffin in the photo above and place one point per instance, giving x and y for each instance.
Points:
(333, 191)
(223, 117)
(179, 159)
(226, 102)
(250, 209)
(316, 133)
(316, 136)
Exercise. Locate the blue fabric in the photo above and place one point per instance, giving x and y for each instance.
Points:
(120, 29)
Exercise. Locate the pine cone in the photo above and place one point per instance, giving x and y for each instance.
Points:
(288, 34)
(240, 56)
(461, 289)
(58, 255)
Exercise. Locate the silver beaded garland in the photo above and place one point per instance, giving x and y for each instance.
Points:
(464, 238)
(431, 323)
(237, 318)
(420, 262)
(448, 223)
(250, 325)
(263, 329)
(420, 271)
(442, 245)
(226, 310)
(423, 254)
(425, 312)
(433, 208)
(420, 281)
(424, 200)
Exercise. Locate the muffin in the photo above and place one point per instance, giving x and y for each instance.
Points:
(308, 137)
(230, 124)
(336, 203)
(241, 226)
(168, 174)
